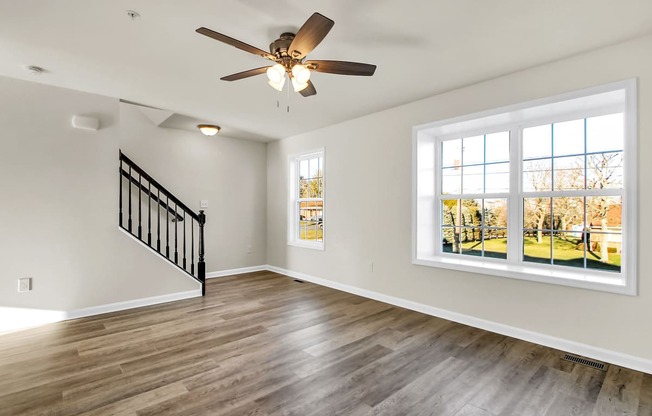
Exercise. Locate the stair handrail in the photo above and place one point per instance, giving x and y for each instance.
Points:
(153, 181)
(167, 205)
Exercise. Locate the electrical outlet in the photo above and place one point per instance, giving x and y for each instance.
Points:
(248, 249)
(203, 203)
(25, 284)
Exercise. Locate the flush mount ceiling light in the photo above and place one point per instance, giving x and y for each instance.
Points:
(288, 53)
(208, 129)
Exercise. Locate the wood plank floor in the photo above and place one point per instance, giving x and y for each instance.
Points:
(263, 344)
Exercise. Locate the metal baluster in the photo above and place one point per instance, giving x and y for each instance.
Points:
(129, 222)
(158, 220)
(149, 213)
(184, 239)
(167, 226)
(176, 221)
(120, 173)
(192, 246)
(140, 214)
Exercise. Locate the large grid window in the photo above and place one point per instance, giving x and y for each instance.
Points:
(545, 191)
(307, 200)
(474, 190)
(572, 199)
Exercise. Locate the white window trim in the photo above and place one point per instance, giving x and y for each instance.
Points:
(293, 230)
(424, 194)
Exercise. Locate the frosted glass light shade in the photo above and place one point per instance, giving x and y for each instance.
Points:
(277, 85)
(301, 74)
(298, 86)
(276, 73)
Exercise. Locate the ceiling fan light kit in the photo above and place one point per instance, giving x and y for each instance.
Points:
(288, 52)
(301, 74)
(298, 87)
(278, 86)
(276, 73)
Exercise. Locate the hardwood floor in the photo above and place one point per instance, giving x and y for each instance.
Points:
(263, 344)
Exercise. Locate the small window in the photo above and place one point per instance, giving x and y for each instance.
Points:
(542, 191)
(306, 211)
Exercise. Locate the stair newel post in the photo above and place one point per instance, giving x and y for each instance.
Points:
(201, 265)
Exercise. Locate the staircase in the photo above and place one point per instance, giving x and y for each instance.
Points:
(150, 213)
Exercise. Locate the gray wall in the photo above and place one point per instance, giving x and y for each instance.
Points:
(368, 210)
(59, 190)
(229, 173)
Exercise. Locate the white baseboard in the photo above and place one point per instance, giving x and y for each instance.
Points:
(16, 319)
(613, 357)
(13, 319)
(229, 272)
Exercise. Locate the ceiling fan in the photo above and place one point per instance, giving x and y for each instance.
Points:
(288, 52)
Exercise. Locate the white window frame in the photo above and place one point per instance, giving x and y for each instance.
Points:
(426, 183)
(293, 201)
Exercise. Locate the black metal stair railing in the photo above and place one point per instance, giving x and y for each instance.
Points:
(164, 207)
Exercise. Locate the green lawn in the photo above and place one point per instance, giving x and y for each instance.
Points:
(566, 252)
(496, 248)
(310, 231)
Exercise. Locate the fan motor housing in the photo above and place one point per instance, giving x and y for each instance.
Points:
(280, 46)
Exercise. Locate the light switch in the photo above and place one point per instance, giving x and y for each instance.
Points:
(203, 203)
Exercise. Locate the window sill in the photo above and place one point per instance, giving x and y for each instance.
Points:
(307, 244)
(594, 280)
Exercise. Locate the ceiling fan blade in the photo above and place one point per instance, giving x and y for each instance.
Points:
(342, 67)
(310, 35)
(234, 42)
(309, 90)
(245, 74)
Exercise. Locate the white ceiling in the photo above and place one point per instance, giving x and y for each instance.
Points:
(421, 47)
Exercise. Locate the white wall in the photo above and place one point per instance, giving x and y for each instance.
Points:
(368, 209)
(59, 201)
(229, 173)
